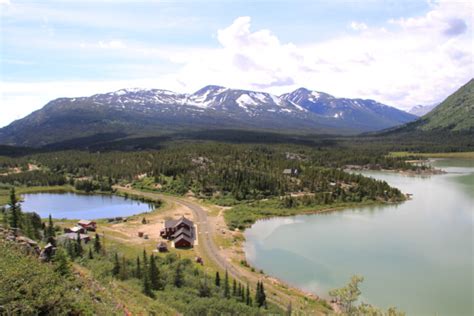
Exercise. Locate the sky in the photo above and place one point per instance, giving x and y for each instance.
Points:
(401, 53)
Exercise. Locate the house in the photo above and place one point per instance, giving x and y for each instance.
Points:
(88, 225)
(181, 231)
(172, 226)
(76, 230)
(162, 247)
(183, 241)
(73, 236)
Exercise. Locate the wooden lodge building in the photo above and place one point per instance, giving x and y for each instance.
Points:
(87, 225)
(181, 231)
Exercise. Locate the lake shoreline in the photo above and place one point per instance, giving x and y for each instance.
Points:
(254, 241)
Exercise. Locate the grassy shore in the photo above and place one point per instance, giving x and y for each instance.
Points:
(245, 215)
(463, 155)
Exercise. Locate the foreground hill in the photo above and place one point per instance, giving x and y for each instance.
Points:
(455, 114)
(133, 112)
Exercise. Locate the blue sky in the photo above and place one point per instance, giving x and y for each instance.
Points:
(371, 49)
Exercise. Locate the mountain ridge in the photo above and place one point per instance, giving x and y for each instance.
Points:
(146, 111)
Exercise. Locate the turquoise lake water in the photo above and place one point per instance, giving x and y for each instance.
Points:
(417, 255)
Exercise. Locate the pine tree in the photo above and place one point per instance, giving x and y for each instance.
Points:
(97, 245)
(147, 286)
(204, 290)
(260, 297)
(145, 261)
(247, 296)
(263, 296)
(178, 275)
(15, 210)
(123, 269)
(61, 261)
(79, 249)
(154, 274)
(218, 279)
(234, 288)
(138, 270)
(50, 229)
(116, 268)
(226, 285)
(91, 256)
(258, 294)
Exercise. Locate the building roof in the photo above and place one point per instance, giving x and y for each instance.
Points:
(85, 222)
(162, 244)
(175, 222)
(76, 229)
(287, 171)
(185, 221)
(182, 231)
(170, 223)
(183, 237)
(73, 236)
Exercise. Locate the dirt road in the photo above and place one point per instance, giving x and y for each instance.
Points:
(211, 252)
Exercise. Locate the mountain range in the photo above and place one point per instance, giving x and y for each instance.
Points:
(133, 112)
(420, 110)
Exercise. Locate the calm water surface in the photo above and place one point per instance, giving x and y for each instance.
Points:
(79, 206)
(417, 255)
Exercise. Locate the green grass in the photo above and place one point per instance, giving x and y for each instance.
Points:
(244, 216)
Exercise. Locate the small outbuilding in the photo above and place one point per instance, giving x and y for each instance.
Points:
(162, 247)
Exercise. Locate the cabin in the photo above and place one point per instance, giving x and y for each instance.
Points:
(183, 241)
(76, 230)
(162, 247)
(87, 225)
(293, 172)
(172, 226)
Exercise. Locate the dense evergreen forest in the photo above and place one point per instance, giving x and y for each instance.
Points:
(212, 170)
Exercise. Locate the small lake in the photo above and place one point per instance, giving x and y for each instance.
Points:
(417, 255)
(81, 206)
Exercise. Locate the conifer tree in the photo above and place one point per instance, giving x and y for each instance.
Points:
(234, 288)
(178, 275)
(247, 296)
(138, 269)
(147, 286)
(226, 285)
(15, 210)
(91, 256)
(50, 228)
(145, 261)
(61, 261)
(218, 279)
(116, 268)
(97, 245)
(124, 269)
(154, 274)
(79, 249)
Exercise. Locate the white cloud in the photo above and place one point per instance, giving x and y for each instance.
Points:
(417, 60)
(5, 2)
(358, 26)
